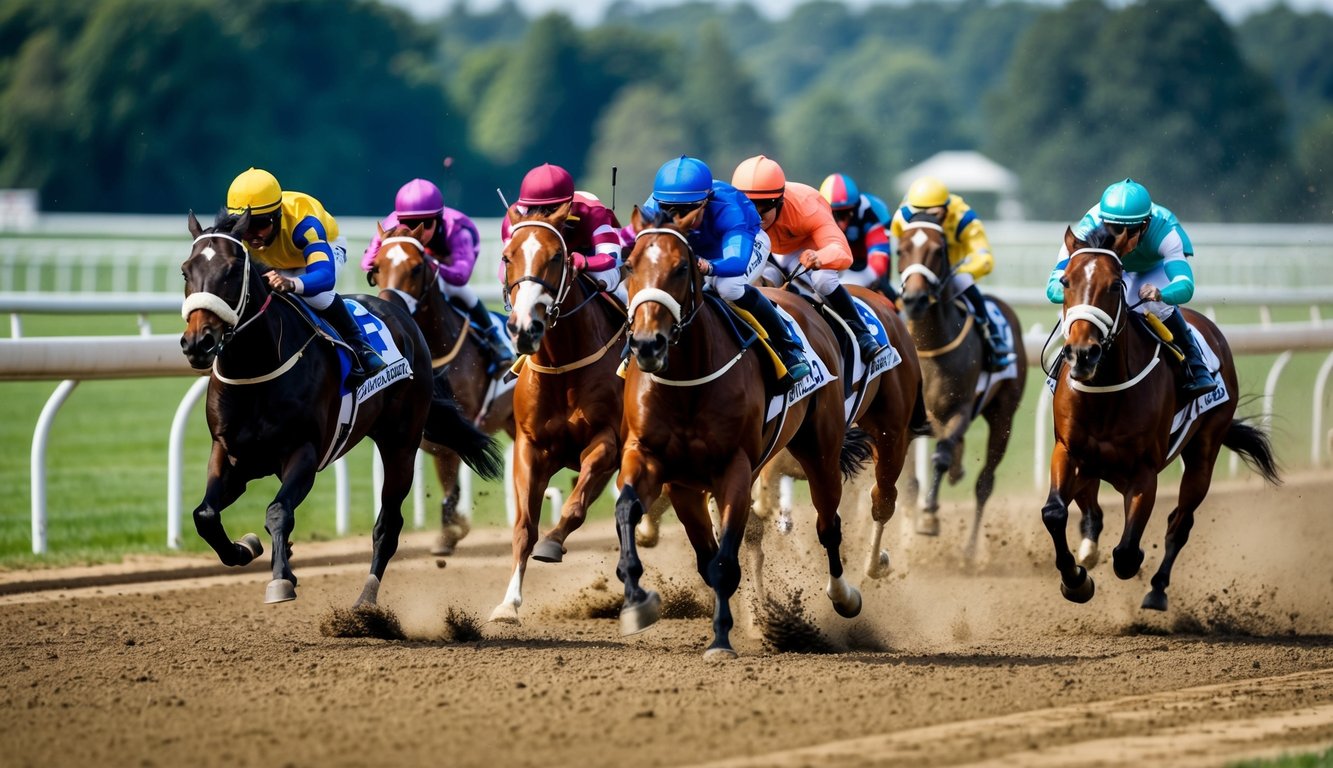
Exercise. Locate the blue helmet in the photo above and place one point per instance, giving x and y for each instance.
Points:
(1126, 202)
(682, 180)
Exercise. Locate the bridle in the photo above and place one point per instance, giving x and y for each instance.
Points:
(680, 320)
(413, 301)
(211, 302)
(936, 282)
(553, 297)
(1107, 326)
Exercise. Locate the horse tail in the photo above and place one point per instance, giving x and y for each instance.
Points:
(856, 452)
(447, 426)
(919, 426)
(1254, 447)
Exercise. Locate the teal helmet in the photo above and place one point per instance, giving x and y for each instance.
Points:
(682, 180)
(1126, 202)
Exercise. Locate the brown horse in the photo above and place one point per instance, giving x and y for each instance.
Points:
(696, 422)
(405, 275)
(567, 401)
(889, 410)
(274, 403)
(957, 387)
(1114, 406)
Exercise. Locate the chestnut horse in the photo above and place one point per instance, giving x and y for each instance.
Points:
(695, 419)
(405, 275)
(890, 411)
(567, 401)
(274, 403)
(957, 387)
(1114, 407)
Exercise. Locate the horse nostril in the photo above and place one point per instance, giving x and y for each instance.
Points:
(538, 327)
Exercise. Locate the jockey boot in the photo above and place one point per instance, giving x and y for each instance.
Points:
(500, 352)
(998, 352)
(841, 302)
(366, 362)
(1198, 380)
(780, 336)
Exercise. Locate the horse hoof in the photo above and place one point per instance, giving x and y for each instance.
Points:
(548, 551)
(850, 607)
(1088, 555)
(928, 524)
(505, 613)
(645, 536)
(252, 543)
(370, 593)
(636, 618)
(279, 591)
(879, 566)
(1155, 600)
(718, 653)
(443, 546)
(1126, 570)
(783, 523)
(1082, 593)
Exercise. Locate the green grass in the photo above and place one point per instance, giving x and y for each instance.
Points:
(107, 456)
(1310, 760)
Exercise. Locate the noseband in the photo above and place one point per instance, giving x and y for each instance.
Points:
(412, 301)
(215, 303)
(553, 296)
(1107, 326)
(936, 282)
(659, 296)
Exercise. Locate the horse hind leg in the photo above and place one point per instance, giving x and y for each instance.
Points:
(453, 525)
(1090, 526)
(398, 476)
(595, 469)
(649, 530)
(298, 477)
(1194, 486)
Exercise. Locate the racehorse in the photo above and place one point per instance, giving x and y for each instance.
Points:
(695, 419)
(405, 275)
(1114, 407)
(274, 404)
(567, 400)
(890, 411)
(957, 387)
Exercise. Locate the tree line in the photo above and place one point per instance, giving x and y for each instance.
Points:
(145, 106)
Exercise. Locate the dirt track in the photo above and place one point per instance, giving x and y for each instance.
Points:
(945, 666)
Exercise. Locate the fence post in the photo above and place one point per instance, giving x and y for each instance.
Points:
(38, 469)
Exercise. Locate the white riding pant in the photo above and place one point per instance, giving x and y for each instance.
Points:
(732, 288)
(321, 301)
(825, 281)
(1155, 276)
(865, 277)
(610, 280)
(463, 294)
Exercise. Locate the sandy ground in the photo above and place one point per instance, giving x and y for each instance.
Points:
(175, 662)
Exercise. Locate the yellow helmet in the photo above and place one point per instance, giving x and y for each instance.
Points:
(255, 189)
(927, 192)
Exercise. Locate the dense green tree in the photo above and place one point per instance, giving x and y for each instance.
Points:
(821, 134)
(729, 120)
(911, 102)
(1293, 49)
(642, 129)
(1314, 154)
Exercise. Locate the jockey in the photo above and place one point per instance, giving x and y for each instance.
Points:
(453, 242)
(1155, 268)
(292, 233)
(801, 228)
(863, 219)
(969, 251)
(591, 231)
(731, 247)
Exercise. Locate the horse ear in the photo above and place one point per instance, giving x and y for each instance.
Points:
(242, 224)
(636, 220)
(558, 218)
(690, 221)
(379, 230)
(513, 215)
(195, 228)
(1071, 242)
(418, 231)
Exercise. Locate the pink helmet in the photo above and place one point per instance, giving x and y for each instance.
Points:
(418, 199)
(546, 185)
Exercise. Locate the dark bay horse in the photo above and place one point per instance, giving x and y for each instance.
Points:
(405, 276)
(694, 420)
(888, 411)
(1115, 400)
(274, 404)
(952, 354)
(567, 401)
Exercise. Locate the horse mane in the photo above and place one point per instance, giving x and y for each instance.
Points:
(225, 220)
(1100, 238)
(924, 216)
(656, 217)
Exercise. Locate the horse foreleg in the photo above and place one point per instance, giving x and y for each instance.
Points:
(724, 571)
(692, 508)
(1127, 557)
(1194, 486)
(638, 486)
(398, 475)
(1091, 524)
(453, 526)
(224, 487)
(944, 458)
(596, 465)
(1075, 583)
(532, 471)
(298, 477)
(999, 425)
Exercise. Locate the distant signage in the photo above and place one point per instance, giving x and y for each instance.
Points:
(18, 210)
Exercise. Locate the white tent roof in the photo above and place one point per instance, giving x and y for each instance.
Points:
(962, 171)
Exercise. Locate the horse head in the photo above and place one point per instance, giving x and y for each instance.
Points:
(538, 273)
(663, 278)
(1095, 309)
(218, 283)
(402, 268)
(923, 263)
